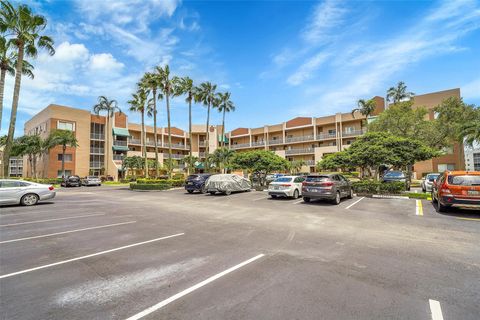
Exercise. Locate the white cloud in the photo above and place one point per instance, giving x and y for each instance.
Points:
(104, 62)
(306, 70)
(326, 16)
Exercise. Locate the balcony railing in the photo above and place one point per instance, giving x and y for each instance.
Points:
(258, 143)
(326, 136)
(96, 164)
(201, 144)
(120, 143)
(276, 141)
(201, 154)
(299, 139)
(134, 141)
(118, 157)
(309, 162)
(240, 145)
(97, 150)
(97, 136)
(175, 145)
(174, 156)
(299, 151)
(353, 133)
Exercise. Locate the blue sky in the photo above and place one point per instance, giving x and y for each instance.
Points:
(279, 59)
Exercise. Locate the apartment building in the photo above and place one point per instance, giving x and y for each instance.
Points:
(103, 144)
(472, 160)
(309, 139)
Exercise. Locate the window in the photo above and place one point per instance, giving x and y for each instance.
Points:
(446, 167)
(349, 129)
(349, 141)
(298, 180)
(67, 173)
(332, 131)
(62, 125)
(68, 157)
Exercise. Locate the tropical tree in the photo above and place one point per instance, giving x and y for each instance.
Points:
(190, 162)
(399, 93)
(138, 103)
(225, 105)
(64, 138)
(133, 163)
(185, 86)
(109, 107)
(471, 129)
(260, 162)
(222, 157)
(365, 107)
(150, 81)
(205, 94)
(24, 28)
(31, 146)
(296, 166)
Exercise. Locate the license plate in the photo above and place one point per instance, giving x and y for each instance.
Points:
(473, 193)
(312, 190)
(189, 182)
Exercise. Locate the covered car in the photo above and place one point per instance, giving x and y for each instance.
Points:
(227, 183)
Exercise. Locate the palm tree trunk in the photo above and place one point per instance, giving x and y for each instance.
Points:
(190, 130)
(155, 129)
(13, 114)
(142, 142)
(207, 167)
(2, 88)
(64, 147)
(169, 136)
(107, 147)
(35, 166)
(223, 129)
(30, 162)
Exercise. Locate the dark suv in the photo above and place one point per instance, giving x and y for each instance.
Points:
(331, 187)
(71, 181)
(196, 182)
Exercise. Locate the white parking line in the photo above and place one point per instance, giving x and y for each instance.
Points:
(436, 310)
(258, 199)
(298, 201)
(355, 203)
(64, 232)
(191, 289)
(87, 256)
(46, 220)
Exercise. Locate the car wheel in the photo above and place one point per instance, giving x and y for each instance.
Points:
(273, 196)
(190, 191)
(295, 194)
(203, 190)
(306, 199)
(350, 194)
(29, 199)
(441, 207)
(337, 199)
(212, 193)
(433, 198)
(228, 192)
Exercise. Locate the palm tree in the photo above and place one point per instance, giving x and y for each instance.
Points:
(399, 93)
(225, 105)
(190, 162)
(150, 82)
(25, 28)
(32, 147)
(138, 103)
(64, 138)
(185, 86)
(222, 157)
(110, 107)
(168, 86)
(205, 94)
(470, 130)
(8, 60)
(296, 165)
(365, 107)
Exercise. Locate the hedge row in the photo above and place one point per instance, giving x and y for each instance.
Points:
(150, 186)
(171, 182)
(44, 180)
(376, 187)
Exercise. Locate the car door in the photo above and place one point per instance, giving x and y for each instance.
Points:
(298, 184)
(345, 185)
(10, 191)
(436, 184)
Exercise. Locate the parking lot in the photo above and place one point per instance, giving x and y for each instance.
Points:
(111, 253)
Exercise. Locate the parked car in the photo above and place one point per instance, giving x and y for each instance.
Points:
(272, 177)
(396, 176)
(71, 181)
(331, 187)
(427, 181)
(24, 192)
(286, 186)
(227, 183)
(91, 181)
(456, 189)
(196, 182)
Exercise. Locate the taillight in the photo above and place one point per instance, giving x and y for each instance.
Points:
(286, 185)
(304, 183)
(327, 184)
(445, 189)
(51, 188)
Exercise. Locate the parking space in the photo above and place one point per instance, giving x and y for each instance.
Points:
(118, 254)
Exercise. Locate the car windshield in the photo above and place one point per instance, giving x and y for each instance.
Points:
(192, 176)
(432, 177)
(464, 180)
(394, 174)
(92, 177)
(317, 178)
(283, 179)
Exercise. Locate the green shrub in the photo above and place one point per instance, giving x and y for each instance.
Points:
(414, 195)
(376, 187)
(44, 180)
(172, 182)
(150, 186)
(178, 176)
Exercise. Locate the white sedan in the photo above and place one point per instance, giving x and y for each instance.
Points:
(287, 186)
(24, 192)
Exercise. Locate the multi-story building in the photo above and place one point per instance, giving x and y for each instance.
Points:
(309, 139)
(472, 160)
(16, 167)
(103, 144)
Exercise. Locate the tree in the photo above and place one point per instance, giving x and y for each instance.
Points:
(25, 28)
(261, 162)
(470, 130)
(365, 107)
(150, 82)
(296, 166)
(205, 94)
(31, 146)
(110, 107)
(335, 161)
(138, 103)
(133, 163)
(64, 138)
(185, 86)
(225, 105)
(221, 157)
(399, 93)
(190, 162)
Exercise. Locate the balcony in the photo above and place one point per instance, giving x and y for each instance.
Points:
(120, 143)
(118, 157)
(97, 136)
(202, 144)
(353, 133)
(152, 143)
(299, 139)
(96, 164)
(97, 150)
(175, 145)
(135, 141)
(258, 143)
(240, 145)
(201, 154)
(299, 151)
(174, 156)
(275, 141)
(323, 136)
(309, 162)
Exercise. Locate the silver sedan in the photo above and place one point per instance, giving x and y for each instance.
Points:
(24, 192)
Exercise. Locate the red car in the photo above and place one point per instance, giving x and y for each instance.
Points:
(457, 188)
